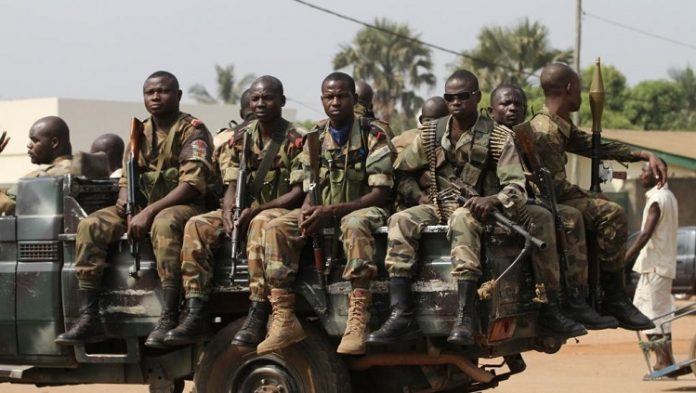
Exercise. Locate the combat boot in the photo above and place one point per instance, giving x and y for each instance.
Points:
(577, 309)
(552, 321)
(168, 319)
(616, 303)
(353, 341)
(285, 329)
(463, 330)
(254, 329)
(401, 325)
(89, 328)
(195, 327)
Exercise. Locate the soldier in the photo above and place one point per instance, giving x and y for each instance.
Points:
(49, 144)
(469, 148)
(245, 113)
(176, 165)
(363, 105)
(433, 108)
(554, 135)
(275, 191)
(112, 146)
(509, 108)
(356, 180)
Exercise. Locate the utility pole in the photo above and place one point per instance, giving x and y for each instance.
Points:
(573, 165)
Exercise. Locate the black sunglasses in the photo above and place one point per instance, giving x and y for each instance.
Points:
(462, 95)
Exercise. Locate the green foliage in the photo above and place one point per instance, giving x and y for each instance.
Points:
(394, 66)
(511, 54)
(652, 104)
(614, 86)
(229, 90)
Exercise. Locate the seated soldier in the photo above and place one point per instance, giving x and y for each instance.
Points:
(49, 144)
(509, 108)
(356, 178)
(175, 164)
(112, 146)
(468, 148)
(245, 113)
(274, 192)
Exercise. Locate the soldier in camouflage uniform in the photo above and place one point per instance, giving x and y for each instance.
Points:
(363, 104)
(554, 135)
(49, 144)
(279, 190)
(469, 149)
(175, 164)
(355, 180)
(509, 108)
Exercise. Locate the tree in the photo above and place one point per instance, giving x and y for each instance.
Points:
(229, 90)
(651, 104)
(685, 78)
(511, 54)
(616, 94)
(393, 64)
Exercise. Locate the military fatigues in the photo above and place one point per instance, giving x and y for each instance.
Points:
(554, 136)
(204, 233)
(473, 160)
(183, 156)
(346, 173)
(59, 167)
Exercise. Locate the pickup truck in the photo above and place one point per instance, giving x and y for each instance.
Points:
(38, 301)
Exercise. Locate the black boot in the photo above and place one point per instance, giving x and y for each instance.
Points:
(401, 325)
(195, 327)
(616, 303)
(168, 318)
(89, 328)
(463, 330)
(553, 322)
(577, 309)
(253, 331)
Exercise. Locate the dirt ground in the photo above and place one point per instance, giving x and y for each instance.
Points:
(604, 361)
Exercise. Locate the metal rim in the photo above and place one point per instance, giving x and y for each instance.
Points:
(265, 378)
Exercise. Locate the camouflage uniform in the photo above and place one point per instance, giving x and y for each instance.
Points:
(501, 176)
(204, 233)
(346, 173)
(59, 167)
(554, 136)
(187, 160)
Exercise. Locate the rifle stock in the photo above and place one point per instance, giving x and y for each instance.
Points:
(239, 204)
(313, 149)
(136, 132)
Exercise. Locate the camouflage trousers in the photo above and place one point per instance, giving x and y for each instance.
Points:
(284, 246)
(204, 235)
(608, 220)
(575, 247)
(464, 234)
(104, 227)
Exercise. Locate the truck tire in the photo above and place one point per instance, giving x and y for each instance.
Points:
(311, 366)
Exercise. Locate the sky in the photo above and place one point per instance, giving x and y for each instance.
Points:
(98, 49)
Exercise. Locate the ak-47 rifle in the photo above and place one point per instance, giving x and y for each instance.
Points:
(136, 132)
(524, 135)
(313, 148)
(240, 201)
(596, 107)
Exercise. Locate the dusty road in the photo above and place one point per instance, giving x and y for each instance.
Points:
(605, 361)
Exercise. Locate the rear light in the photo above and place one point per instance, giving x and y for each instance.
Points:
(502, 329)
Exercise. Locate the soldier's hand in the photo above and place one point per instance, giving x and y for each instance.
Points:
(244, 219)
(658, 169)
(314, 218)
(228, 221)
(139, 226)
(481, 207)
(121, 202)
(4, 139)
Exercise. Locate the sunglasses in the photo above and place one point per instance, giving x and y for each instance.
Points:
(462, 95)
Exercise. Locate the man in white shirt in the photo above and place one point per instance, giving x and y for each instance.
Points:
(656, 247)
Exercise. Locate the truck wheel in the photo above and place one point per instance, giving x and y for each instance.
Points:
(307, 367)
(176, 386)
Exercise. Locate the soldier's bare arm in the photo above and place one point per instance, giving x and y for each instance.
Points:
(228, 207)
(645, 234)
(121, 202)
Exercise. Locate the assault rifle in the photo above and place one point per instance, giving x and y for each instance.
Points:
(136, 132)
(313, 148)
(240, 200)
(524, 135)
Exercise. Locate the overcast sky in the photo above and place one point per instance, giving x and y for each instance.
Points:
(104, 49)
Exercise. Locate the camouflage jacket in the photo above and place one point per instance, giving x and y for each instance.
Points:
(554, 136)
(350, 171)
(285, 172)
(59, 167)
(188, 161)
(502, 175)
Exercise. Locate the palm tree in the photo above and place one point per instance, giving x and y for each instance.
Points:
(511, 54)
(394, 64)
(229, 90)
